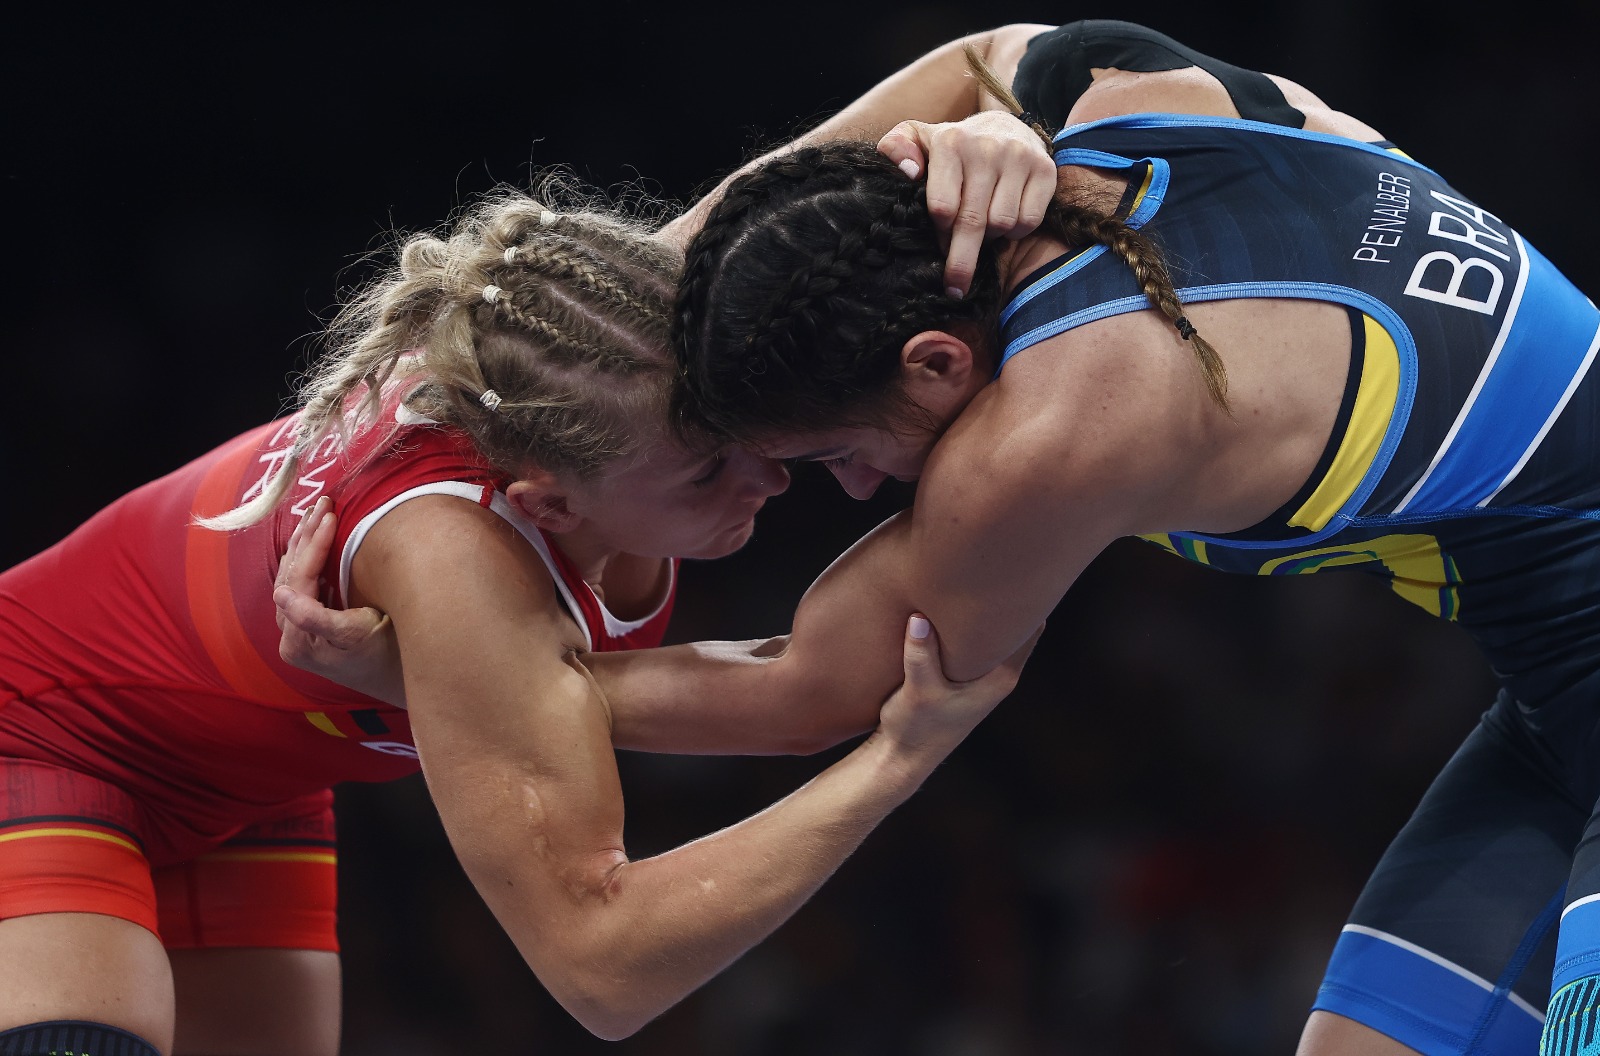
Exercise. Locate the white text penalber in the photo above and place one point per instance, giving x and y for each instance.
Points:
(1442, 275)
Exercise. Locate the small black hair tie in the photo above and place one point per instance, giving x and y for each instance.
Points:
(1032, 120)
(1185, 327)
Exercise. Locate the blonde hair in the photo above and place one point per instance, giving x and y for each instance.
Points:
(539, 331)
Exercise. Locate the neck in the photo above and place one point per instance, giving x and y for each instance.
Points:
(590, 556)
(1025, 256)
(1091, 188)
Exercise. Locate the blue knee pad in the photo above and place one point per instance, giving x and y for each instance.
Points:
(72, 1037)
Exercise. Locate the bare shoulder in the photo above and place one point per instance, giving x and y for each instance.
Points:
(1005, 46)
(449, 564)
(1103, 421)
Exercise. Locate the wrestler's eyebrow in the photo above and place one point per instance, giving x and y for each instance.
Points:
(813, 456)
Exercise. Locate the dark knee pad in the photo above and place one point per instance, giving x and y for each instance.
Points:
(1055, 72)
(72, 1037)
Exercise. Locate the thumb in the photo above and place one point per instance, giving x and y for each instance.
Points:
(922, 664)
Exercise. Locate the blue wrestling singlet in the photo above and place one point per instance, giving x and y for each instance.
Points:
(1464, 470)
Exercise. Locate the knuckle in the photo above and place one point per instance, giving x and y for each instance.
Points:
(972, 216)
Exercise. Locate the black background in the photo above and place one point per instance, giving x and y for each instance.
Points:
(1149, 848)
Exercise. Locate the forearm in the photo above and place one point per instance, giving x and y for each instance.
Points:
(657, 929)
(726, 698)
(936, 87)
(797, 694)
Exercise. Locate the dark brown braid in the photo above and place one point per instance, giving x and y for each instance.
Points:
(806, 280)
(1078, 226)
(815, 269)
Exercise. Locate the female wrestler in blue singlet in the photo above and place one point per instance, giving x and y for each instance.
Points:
(1351, 365)
(1348, 365)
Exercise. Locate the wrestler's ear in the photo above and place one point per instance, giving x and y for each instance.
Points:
(937, 366)
(541, 498)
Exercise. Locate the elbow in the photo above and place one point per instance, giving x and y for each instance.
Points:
(611, 1006)
(607, 1018)
(605, 970)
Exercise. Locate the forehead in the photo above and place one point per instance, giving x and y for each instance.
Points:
(660, 455)
(825, 443)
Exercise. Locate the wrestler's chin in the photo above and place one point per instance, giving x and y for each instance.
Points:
(729, 541)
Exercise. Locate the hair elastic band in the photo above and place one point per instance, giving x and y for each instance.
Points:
(490, 399)
(510, 255)
(546, 218)
(1185, 328)
(491, 293)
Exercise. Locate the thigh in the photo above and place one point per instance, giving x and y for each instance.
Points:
(256, 1002)
(1451, 946)
(78, 933)
(85, 966)
(251, 931)
(1329, 1035)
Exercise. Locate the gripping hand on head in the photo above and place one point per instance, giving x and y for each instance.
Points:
(353, 647)
(988, 175)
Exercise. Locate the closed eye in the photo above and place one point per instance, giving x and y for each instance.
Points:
(711, 472)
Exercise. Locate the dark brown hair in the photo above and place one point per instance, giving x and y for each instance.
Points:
(814, 270)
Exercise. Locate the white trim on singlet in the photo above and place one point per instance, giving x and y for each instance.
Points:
(1451, 966)
(614, 627)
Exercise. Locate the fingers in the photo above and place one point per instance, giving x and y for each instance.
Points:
(341, 628)
(959, 201)
(309, 546)
(988, 176)
(924, 665)
(903, 145)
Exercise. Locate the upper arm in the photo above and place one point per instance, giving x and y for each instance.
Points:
(1191, 90)
(1093, 436)
(514, 739)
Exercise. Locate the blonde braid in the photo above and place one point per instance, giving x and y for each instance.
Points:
(571, 345)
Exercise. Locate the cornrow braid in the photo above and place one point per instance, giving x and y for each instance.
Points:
(537, 324)
(815, 269)
(806, 275)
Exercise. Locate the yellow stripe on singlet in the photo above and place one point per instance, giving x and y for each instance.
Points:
(1363, 434)
(1144, 188)
(88, 834)
(321, 721)
(320, 857)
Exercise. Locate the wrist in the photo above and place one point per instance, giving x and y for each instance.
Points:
(899, 764)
